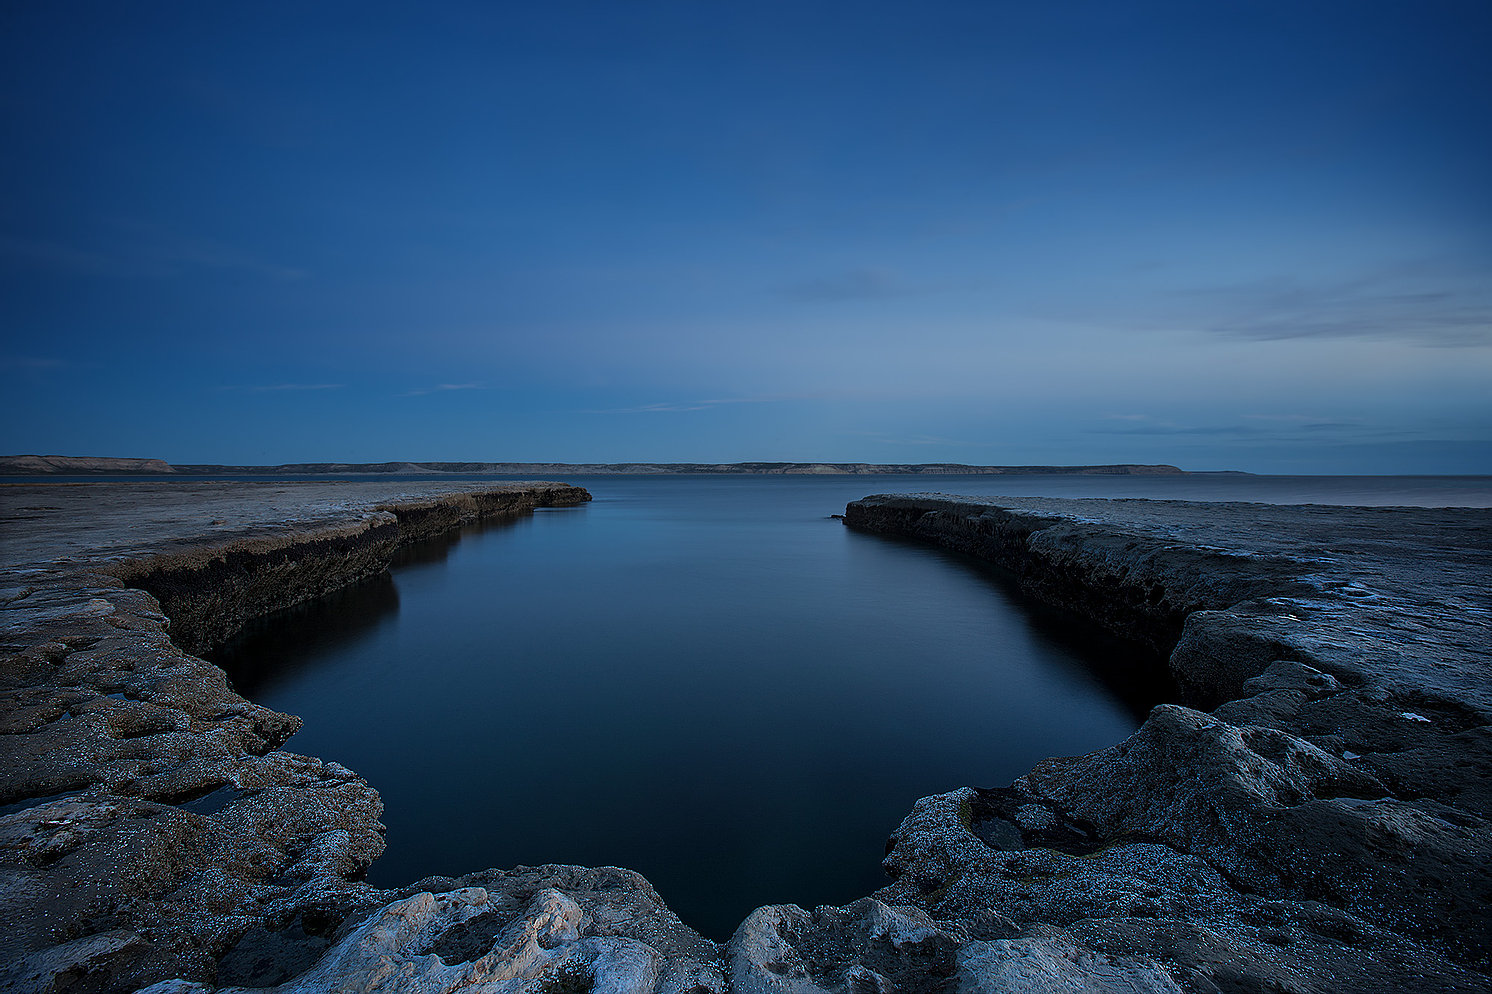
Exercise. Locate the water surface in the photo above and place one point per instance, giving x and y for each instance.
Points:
(705, 679)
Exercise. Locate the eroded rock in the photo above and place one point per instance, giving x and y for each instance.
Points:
(1325, 829)
(866, 946)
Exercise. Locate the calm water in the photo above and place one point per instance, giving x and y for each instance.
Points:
(708, 680)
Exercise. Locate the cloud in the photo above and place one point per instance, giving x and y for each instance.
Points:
(1254, 427)
(274, 387)
(55, 255)
(652, 409)
(31, 362)
(917, 439)
(1442, 305)
(1167, 428)
(1279, 417)
(443, 387)
(207, 254)
(140, 252)
(854, 284)
(671, 407)
(1307, 422)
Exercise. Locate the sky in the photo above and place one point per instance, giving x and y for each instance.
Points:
(1252, 236)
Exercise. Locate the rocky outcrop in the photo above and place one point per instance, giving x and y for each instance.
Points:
(1325, 828)
(149, 822)
(149, 818)
(547, 928)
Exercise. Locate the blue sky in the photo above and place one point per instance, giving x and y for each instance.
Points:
(1226, 235)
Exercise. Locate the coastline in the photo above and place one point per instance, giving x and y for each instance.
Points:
(1175, 857)
(31, 465)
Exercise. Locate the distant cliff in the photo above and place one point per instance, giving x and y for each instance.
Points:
(40, 465)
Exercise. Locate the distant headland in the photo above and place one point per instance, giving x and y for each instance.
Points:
(112, 466)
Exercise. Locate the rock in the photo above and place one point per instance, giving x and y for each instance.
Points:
(864, 947)
(94, 962)
(618, 904)
(398, 949)
(1055, 966)
(1197, 784)
(473, 940)
(1324, 829)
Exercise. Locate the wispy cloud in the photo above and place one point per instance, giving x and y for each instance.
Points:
(274, 387)
(55, 255)
(207, 254)
(1161, 428)
(854, 284)
(674, 407)
(918, 439)
(1271, 427)
(651, 409)
(1281, 417)
(31, 362)
(443, 388)
(1444, 304)
(143, 252)
(1305, 422)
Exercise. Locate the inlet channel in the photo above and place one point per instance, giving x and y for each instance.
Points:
(705, 679)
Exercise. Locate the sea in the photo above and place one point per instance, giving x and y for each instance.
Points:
(710, 680)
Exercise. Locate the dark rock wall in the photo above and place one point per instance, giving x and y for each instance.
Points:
(210, 597)
(1136, 586)
(210, 594)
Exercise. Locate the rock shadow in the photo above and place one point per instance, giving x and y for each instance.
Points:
(1134, 674)
(286, 641)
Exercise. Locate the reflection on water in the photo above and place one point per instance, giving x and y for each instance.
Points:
(704, 679)
(1127, 670)
(275, 647)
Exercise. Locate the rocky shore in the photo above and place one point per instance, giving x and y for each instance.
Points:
(1313, 815)
(1315, 820)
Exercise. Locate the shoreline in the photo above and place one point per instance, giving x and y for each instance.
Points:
(246, 851)
(31, 465)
